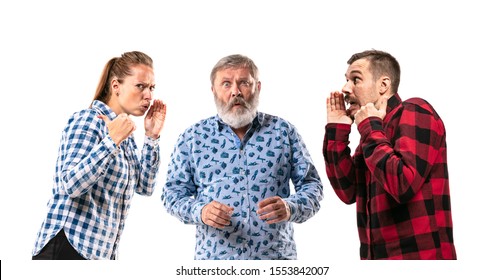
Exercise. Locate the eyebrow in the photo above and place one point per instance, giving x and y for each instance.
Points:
(144, 83)
(353, 72)
(244, 78)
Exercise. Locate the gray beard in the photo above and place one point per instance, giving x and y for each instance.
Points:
(241, 117)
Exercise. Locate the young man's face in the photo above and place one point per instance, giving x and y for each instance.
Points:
(360, 87)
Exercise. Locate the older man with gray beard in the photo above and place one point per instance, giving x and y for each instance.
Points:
(230, 174)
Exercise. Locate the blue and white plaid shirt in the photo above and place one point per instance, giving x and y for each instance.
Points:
(93, 184)
(210, 162)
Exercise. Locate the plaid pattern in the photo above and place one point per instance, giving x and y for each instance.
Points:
(398, 178)
(210, 162)
(94, 182)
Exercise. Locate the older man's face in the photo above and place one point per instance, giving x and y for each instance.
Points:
(236, 95)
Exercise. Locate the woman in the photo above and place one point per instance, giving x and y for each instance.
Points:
(98, 168)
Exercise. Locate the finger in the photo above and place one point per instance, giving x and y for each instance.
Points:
(212, 223)
(275, 216)
(150, 111)
(221, 220)
(330, 102)
(359, 111)
(161, 104)
(105, 118)
(215, 217)
(221, 214)
(222, 207)
(342, 104)
(335, 97)
(130, 125)
(270, 212)
(156, 106)
(269, 205)
(163, 108)
(276, 220)
(333, 103)
(263, 203)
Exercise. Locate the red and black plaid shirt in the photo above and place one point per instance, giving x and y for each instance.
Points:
(398, 179)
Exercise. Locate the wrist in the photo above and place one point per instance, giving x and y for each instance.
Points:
(152, 135)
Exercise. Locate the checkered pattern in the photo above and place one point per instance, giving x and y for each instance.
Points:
(94, 182)
(211, 163)
(398, 179)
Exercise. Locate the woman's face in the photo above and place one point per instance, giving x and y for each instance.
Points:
(135, 93)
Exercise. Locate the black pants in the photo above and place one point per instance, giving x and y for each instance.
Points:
(58, 248)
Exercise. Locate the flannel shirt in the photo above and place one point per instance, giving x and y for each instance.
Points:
(210, 162)
(398, 178)
(94, 183)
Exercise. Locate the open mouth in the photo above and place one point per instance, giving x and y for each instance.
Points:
(350, 102)
(238, 104)
(145, 107)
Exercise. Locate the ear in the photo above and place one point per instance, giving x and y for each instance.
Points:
(114, 84)
(259, 86)
(384, 85)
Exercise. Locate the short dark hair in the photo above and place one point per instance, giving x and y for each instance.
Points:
(381, 63)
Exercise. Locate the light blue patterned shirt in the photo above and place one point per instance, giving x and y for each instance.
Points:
(209, 163)
(93, 184)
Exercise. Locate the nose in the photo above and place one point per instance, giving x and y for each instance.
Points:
(148, 93)
(235, 91)
(347, 88)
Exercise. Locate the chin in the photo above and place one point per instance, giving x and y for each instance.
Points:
(138, 113)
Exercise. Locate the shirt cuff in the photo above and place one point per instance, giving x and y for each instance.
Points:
(152, 141)
(293, 210)
(110, 145)
(337, 131)
(197, 212)
(369, 125)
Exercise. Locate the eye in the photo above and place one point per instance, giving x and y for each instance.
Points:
(226, 84)
(152, 88)
(141, 87)
(245, 83)
(356, 80)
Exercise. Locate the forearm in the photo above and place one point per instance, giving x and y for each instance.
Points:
(150, 162)
(339, 164)
(78, 173)
(305, 203)
(402, 168)
(182, 205)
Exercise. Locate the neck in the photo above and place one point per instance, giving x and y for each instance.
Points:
(113, 103)
(240, 132)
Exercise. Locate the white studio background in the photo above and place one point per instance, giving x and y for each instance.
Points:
(53, 53)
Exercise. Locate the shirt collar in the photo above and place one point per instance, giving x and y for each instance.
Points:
(393, 102)
(103, 109)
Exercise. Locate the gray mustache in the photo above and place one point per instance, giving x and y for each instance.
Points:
(238, 100)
